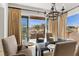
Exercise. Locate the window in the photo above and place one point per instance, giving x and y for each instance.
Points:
(72, 24)
(24, 28)
(36, 26)
(31, 26)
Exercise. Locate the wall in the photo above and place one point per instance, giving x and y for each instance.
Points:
(73, 12)
(1, 28)
(3, 20)
(30, 13)
(5, 6)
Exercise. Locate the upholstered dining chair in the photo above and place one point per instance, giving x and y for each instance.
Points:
(1, 48)
(40, 37)
(11, 47)
(33, 36)
(50, 38)
(75, 36)
(66, 48)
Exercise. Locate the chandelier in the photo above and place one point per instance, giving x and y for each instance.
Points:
(53, 14)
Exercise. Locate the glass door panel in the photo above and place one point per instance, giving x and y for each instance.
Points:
(36, 26)
(24, 29)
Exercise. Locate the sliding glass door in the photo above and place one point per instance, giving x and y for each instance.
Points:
(24, 29)
(31, 27)
(36, 26)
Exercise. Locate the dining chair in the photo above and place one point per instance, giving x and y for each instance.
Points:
(40, 37)
(11, 48)
(50, 38)
(66, 48)
(1, 48)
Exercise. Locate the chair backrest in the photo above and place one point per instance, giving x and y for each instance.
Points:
(1, 48)
(65, 48)
(50, 38)
(75, 36)
(10, 45)
(40, 35)
(33, 36)
(49, 35)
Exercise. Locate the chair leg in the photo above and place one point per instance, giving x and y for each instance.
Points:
(36, 50)
(41, 53)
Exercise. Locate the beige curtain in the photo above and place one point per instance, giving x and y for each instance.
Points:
(55, 33)
(14, 24)
(53, 27)
(50, 26)
(62, 26)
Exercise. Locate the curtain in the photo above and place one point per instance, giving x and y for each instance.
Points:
(14, 24)
(53, 27)
(50, 26)
(62, 26)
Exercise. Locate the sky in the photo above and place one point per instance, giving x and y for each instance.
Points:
(71, 21)
(24, 21)
(35, 22)
(32, 22)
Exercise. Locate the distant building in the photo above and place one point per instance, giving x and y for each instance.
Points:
(72, 29)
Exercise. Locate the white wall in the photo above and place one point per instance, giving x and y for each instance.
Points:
(73, 12)
(45, 6)
(5, 5)
(30, 13)
(3, 20)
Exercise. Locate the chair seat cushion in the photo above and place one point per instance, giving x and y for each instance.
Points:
(26, 52)
(48, 53)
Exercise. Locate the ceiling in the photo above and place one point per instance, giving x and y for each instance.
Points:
(47, 6)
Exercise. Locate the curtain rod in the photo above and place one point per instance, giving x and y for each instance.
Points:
(28, 10)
